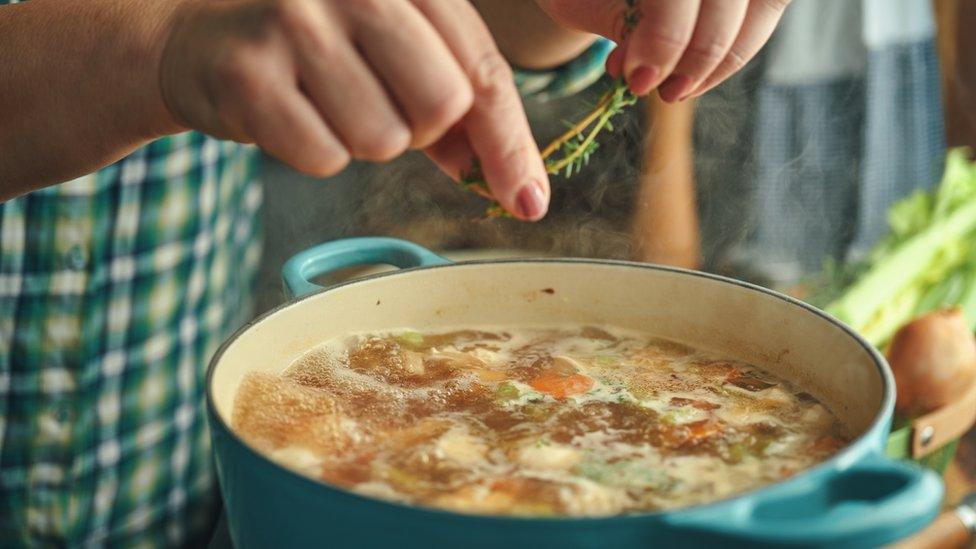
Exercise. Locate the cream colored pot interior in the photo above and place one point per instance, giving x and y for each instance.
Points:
(782, 337)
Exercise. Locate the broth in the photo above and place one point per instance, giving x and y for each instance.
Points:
(571, 421)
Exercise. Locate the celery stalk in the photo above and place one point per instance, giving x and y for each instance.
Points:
(896, 312)
(967, 301)
(906, 264)
(945, 292)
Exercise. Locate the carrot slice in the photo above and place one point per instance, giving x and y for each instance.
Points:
(702, 429)
(689, 435)
(562, 386)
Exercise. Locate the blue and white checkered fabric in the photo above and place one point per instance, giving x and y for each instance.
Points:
(831, 153)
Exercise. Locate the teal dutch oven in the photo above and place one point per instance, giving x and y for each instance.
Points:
(858, 498)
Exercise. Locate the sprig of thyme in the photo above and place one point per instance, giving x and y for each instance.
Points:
(568, 153)
(571, 151)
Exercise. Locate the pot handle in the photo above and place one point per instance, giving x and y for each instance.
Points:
(306, 265)
(871, 503)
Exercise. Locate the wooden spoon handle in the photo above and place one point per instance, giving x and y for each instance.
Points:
(948, 531)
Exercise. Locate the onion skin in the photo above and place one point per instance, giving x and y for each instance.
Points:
(934, 361)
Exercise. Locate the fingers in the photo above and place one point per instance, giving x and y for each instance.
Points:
(496, 126)
(615, 61)
(718, 24)
(658, 42)
(326, 58)
(760, 20)
(684, 48)
(452, 153)
(415, 64)
(287, 126)
(260, 102)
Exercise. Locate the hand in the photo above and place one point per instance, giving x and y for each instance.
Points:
(682, 48)
(317, 82)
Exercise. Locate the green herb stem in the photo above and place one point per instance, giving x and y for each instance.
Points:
(570, 151)
(577, 128)
(574, 146)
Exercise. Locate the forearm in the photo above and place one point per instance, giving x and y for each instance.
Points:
(78, 88)
(528, 37)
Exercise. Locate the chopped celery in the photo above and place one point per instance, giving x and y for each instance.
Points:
(632, 473)
(400, 478)
(506, 391)
(681, 415)
(410, 340)
(738, 451)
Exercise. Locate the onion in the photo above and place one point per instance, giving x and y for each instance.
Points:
(934, 361)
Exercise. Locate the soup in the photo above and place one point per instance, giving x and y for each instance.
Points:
(564, 421)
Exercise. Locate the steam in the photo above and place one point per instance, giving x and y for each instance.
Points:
(724, 169)
(591, 213)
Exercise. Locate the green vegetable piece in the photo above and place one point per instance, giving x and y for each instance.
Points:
(893, 315)
(758, 448)
(411, 340)
(910, 215)
(679, 415)
(624, 473)
(537, 412)
(400, 478)
(737, 452)
(967, 300)
(943, 293)
(506, 391)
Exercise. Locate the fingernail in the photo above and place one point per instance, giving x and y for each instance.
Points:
(531, 201)
(675, 88)
(641, 79)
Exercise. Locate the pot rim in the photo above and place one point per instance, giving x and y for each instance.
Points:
(847, 455)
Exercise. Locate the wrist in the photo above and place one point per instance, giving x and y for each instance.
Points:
(148, 27)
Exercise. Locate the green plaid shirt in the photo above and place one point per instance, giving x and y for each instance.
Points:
(115, 289)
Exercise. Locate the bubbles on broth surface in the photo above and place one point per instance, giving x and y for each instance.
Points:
(274, 412)
(540, 421)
